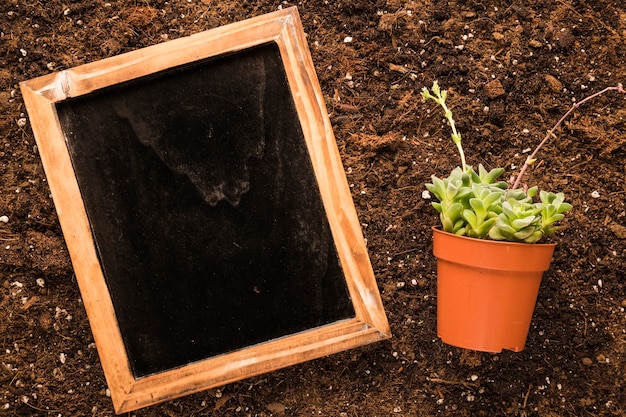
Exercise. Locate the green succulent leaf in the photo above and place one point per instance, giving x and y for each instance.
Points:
(495, 233)
(525, 233)
(489, 177)
(454, 210)
(521, 224)
(437, 188)
(492, 199)
(534, 237)
(470, 217)
(478, 208)
(532, 191)
(552, 207)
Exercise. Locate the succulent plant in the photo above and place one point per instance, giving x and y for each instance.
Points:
(476, 204)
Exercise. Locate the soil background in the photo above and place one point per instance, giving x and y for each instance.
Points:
(511, 68)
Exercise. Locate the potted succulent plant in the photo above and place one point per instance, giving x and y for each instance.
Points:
(490, 259)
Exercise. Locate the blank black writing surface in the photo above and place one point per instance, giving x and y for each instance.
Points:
(205, 209)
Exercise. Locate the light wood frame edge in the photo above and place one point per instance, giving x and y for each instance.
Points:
(284, 28)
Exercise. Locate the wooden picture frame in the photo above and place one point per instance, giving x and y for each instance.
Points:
(54, 103)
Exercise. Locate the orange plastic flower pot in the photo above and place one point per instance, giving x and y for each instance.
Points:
(487, 290)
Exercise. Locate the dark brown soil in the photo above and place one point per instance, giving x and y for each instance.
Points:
(541, 55)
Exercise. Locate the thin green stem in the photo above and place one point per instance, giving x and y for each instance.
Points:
(456, 136)
(440, 98)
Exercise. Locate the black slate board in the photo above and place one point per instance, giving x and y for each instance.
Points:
(205, 209)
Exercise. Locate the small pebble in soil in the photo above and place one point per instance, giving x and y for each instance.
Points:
(4, 219)
(494, 89)
(553, 83)
(595, 194)
(601, 358)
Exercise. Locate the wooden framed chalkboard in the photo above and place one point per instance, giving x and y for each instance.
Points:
(205, 209)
